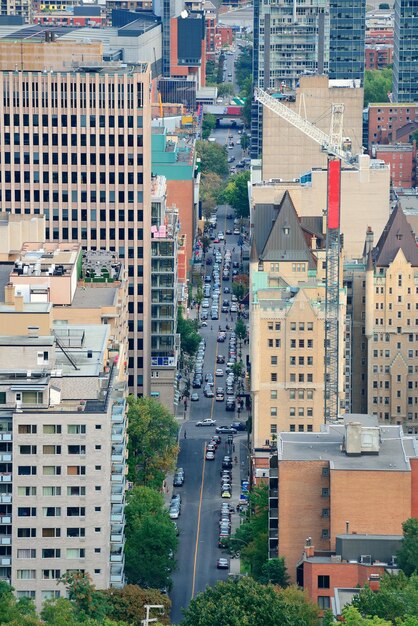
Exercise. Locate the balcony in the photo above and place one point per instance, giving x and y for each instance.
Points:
(5, 560)
(117, 497)
(5, 457)
(6, 477)
(116, 557)
(6, 540)
(118, 412)
(117, 514)
(5, 519)
(6, 498)
(118, 454)
(5, 436)
(118, 435)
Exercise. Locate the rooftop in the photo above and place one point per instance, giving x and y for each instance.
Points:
(27, 307)
(86, 297)
(46, 259)
(327, 446)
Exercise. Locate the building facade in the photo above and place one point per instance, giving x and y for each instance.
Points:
(391, 123)
(75, 146)
(391, 320)
(287, 321)
(63, 452)
(357, 474)
(346, 39)
(402, 161)
(405, 70)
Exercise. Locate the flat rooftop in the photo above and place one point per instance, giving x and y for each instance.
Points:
(85, 345)
(93, 297)
(395, 449)
(28, 307)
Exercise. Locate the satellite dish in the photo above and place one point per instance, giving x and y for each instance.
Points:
(184, 14)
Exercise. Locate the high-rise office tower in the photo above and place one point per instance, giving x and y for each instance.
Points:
(405, 67)
(75, 146)
(346, 39)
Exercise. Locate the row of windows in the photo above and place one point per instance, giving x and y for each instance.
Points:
(293, 393)
(105, 215)
(293, 326)
(74, 177)
(75, 121)
(54, 470)
(386, 369)
(292, 411)
(381, 321)
(292, 378)
(54, 491)
(74, 140)
(106, 159)
(52, 553)
(54, 511)
(51, 449)
(54, 429)
(76, 196)
(51, 533)
(46, 574)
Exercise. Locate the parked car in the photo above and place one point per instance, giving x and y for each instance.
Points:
(225, 430)
(206, 422)
(222, 563)
(210, 456)
(239, 425)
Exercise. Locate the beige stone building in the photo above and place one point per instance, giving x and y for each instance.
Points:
(31, 56)
(75, 147)
(287, 152)
(391, 322)
(15, 230)
(365, 199)
(287, 322)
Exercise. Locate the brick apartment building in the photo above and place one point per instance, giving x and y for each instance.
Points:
(358, 473)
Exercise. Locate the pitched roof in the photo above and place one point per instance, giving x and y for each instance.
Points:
(397, 235)
(284, 240)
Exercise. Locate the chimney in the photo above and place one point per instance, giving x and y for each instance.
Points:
(309, 549)
(314, 242)
(18, 302)
(9, 293)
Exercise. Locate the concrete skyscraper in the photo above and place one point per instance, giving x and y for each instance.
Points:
(75, 146)
(405, 67)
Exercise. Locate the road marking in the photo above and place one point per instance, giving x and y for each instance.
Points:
(198, 522)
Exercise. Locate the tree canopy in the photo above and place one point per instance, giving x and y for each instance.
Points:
(396, 599)
(151, 540)
(225, 89)
(245, 602)
(236, 194)
(152, 444)
(189, 337)
(244, 66)
(208, 124)
(408, 554)
(213, 158)
(377, 85)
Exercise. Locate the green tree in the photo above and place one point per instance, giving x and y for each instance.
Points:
(240, 286)
(189, 337)
(377, 85)
(149, 552)
(236, 194)
(128, 604)
(82, 593)
(213, 158)
(397, 598)
(245, 142)
(16, 612)
(274, 571)
(244, 602)
(205, 243)
(250, 539)
(225, 89)
(152, 444)
(210, 188)
(352, 617)
(240, 329)
(408, 554)
(220, 73)
(208, 124)
(244, 66)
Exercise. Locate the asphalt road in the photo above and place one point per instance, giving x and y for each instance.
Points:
(201, 498)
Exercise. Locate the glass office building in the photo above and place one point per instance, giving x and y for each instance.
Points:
(346, 39)
(405, 58)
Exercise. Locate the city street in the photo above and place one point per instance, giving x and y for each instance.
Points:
(201, 496)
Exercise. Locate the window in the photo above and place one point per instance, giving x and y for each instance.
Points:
(76, 429)
(26, 532)
(43, 357)
(76, 511)
(325, 533)
(273, 394)
(51, 511)
(26, 470)
(325, 492)
(76, 532)
(51, 553)
(51, 470)
(51, 574)
(273, 379)
(76, 470)
(324, 602)
(51, 491)
(26, 429)
(273, 360)
(50, 594)
(26, 511)
(273, 411)
(51, 532)
(26, 594)
(26, 574)
(76, 449)
(26, 553)
(26, 491)
(52, 429)
(273, 429)
(27, 449)
(76, 553)
(32, 397)
(76, 491)
(52, 449)
(325, 512)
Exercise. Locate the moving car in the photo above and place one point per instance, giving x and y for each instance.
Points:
(236, 231)
(206, 422)
(208, 392)
(194, 397)
(219, 372)
(210, 456)
(220, 358)
(239, 425)
(225, 430)
(225, 494)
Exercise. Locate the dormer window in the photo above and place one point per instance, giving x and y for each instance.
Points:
(286, 230)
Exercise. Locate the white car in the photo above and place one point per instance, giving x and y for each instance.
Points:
(221, 236)
(206, 422)
(205, 304)
(233, 308)
(219, 372)
(236, 231)
(210, 456)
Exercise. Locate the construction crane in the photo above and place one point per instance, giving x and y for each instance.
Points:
(332, 145)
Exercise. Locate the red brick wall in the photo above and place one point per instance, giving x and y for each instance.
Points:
(402, 166)
(181, 194)
(386, 119)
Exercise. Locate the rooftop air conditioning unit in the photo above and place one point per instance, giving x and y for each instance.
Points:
(366, 559)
